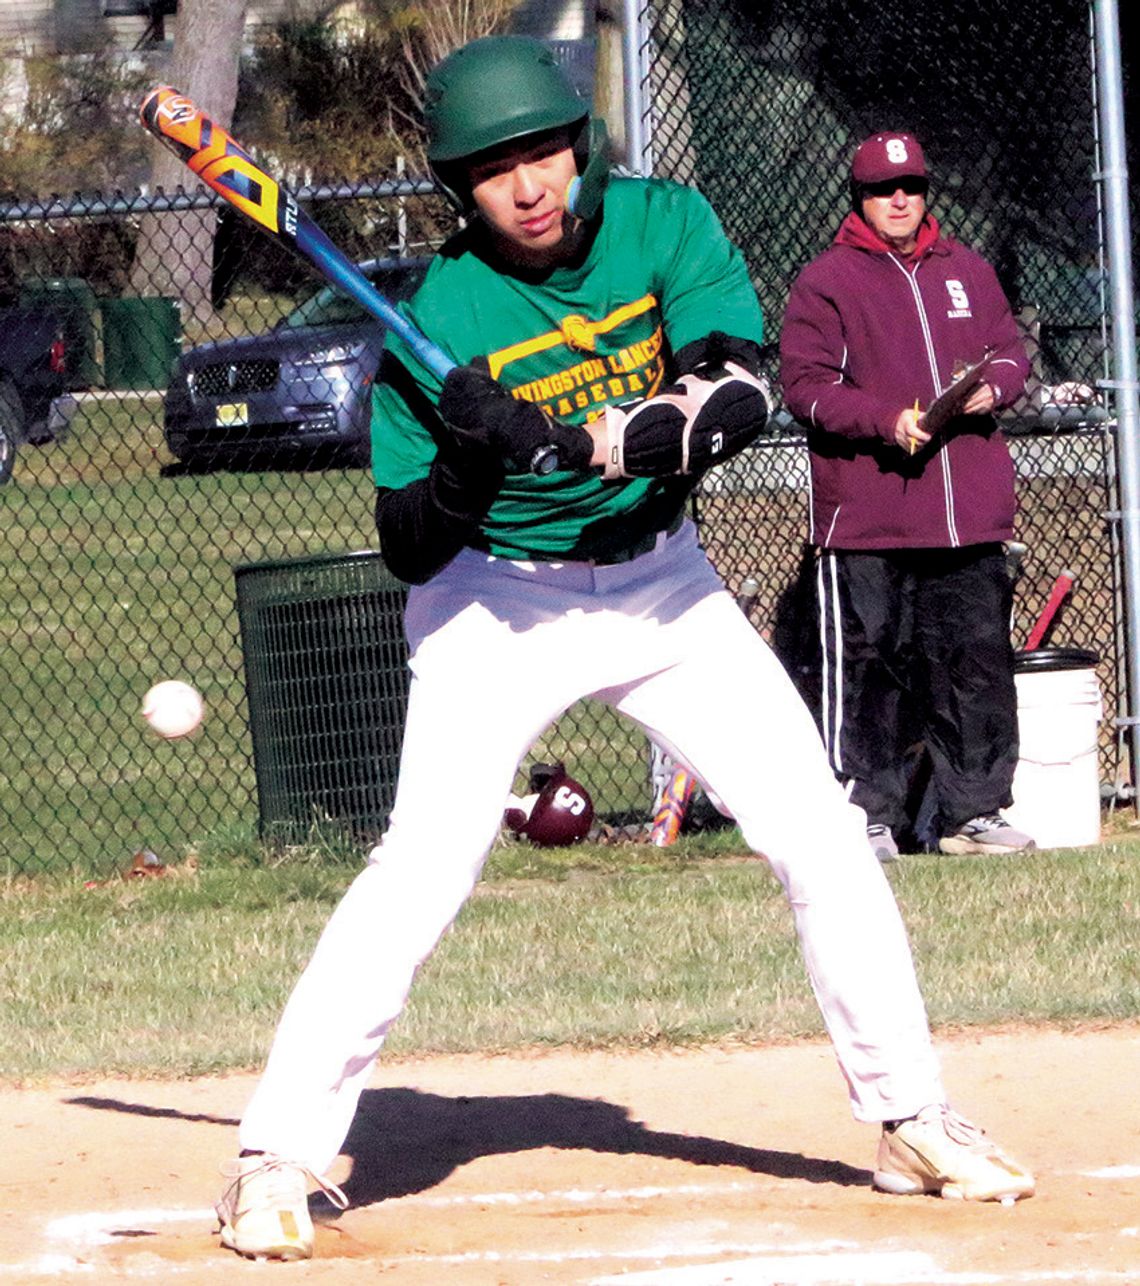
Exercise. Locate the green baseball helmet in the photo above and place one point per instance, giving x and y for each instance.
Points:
(498, 89)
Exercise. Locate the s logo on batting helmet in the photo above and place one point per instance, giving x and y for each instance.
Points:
(561, 811)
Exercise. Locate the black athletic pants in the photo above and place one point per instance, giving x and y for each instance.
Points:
(916, 652)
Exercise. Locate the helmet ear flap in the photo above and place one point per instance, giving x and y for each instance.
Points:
(452, 182)
(541, 775)
(584, 195)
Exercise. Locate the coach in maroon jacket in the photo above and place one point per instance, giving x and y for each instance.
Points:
(913, 595)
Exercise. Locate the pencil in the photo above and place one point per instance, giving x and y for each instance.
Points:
(910, 441)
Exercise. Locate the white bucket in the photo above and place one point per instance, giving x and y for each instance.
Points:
(1056, 786)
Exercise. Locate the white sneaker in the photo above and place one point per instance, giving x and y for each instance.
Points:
(264, 1212)
(940, 1151)
(882, 843)
(989, 833)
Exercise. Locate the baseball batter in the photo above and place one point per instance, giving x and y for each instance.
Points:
(611, 320)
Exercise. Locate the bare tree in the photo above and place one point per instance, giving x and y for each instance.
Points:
(431, 29)
(609, 101)
(175, 251)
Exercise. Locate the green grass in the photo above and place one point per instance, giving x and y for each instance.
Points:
(618, 945)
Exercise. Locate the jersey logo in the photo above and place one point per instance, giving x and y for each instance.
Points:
(959, 300)
(575, 332)
(579, 333)
(587, 386)
(588, 365)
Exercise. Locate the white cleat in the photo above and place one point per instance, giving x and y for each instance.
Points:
(939, 1151)
(264, 1212)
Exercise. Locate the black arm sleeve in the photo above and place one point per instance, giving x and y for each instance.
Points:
(716, 349)
(424, 525)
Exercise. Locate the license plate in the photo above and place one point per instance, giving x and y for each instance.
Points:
(232, 413)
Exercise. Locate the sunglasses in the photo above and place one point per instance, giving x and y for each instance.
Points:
(911, 184)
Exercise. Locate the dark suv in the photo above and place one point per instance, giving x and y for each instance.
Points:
(299, 394)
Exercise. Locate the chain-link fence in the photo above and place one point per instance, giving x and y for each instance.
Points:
(181, 400)
(762, 106)
(160, 443)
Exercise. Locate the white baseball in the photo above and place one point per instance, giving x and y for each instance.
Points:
(173, 708)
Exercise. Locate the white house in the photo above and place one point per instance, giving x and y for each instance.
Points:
(31, 27)
(35, 28)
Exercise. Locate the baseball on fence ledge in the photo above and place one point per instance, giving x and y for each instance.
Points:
(173, 708)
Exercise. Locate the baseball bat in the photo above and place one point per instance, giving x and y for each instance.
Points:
(216, 157)
(747, 595)
(678, 794)
(1062, 587)
(670, 816)
(1015, 552)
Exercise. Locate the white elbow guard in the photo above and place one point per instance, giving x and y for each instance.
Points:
(687, 427)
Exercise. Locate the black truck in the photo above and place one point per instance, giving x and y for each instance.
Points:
(33, 372)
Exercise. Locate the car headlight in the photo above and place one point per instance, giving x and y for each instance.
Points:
(337, 355)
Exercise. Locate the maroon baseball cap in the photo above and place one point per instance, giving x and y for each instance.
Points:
(888, 156)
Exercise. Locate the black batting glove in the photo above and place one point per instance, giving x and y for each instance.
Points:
(483, 415)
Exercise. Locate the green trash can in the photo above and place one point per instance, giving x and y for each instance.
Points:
(141, 339)
(75, 302)
(326, 674)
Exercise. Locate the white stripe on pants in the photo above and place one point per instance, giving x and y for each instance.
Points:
(500, 649)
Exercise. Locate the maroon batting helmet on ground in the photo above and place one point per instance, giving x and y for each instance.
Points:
(562, 812)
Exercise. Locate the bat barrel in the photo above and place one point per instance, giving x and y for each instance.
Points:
(224, 165)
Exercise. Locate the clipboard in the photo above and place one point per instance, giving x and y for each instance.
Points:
(948, 403)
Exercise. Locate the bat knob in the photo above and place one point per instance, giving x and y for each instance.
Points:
(545, 460)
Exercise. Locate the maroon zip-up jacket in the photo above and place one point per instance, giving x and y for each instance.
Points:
(868, 332)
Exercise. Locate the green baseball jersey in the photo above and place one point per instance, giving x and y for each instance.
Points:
(658, 274)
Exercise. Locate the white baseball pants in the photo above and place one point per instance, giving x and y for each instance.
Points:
(499, 650)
